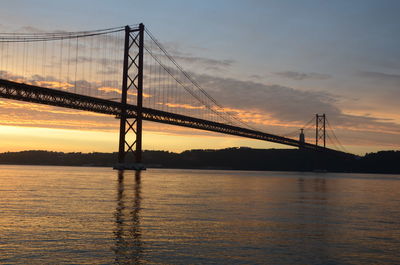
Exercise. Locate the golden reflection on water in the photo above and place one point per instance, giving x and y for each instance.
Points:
(67, 215)
(128, 244)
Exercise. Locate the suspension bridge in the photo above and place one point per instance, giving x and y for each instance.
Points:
(125, 72)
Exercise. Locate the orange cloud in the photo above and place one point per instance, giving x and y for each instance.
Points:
(10, 104)
(258, 118)
(182, 106)
(108, 89)
(53, 84)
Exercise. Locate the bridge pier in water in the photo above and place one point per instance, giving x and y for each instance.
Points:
(132, 78)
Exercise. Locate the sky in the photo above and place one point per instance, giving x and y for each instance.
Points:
(275, 63)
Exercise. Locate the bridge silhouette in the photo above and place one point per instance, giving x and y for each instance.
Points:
(83, 70)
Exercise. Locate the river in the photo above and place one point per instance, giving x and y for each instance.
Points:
(83, 215)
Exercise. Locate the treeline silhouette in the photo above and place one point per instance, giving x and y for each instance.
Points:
(230, 159)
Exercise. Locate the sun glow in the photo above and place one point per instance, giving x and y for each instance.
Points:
(32, 138)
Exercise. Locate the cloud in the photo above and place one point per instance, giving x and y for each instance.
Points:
(201, 62)
(279, 107)
(392, 78)
(282, 102)
(37, 115)
(109, 71)
(381, 89)
(188, 59)
(16, 113)
(182, 106)
(302, 76)
(30, 29)
(392, 64)
(255, 76)
(273, 108)
(207, 62)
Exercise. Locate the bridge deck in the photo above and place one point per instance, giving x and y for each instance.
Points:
(47, 96)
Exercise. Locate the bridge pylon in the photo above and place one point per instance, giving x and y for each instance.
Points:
(130, 134)
(320, 132)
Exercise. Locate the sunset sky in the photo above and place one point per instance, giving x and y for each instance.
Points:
(274, 63)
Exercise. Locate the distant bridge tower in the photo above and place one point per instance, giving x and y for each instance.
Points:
(130, 135)
(320, 134)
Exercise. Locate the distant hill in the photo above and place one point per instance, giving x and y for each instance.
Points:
(230, 158)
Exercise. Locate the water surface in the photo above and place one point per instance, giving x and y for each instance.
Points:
(78, 215)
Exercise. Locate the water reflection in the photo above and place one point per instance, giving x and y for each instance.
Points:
(310, 221)
(67, 215)
(315, 186)
(128, 242)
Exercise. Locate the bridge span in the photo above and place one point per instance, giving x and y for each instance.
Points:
(156, 89)
(58, 98)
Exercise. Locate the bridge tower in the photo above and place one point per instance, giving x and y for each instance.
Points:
(130, 134)
(320, 135)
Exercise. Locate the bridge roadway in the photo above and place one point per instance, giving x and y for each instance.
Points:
(47, 96)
